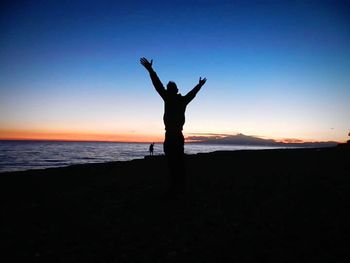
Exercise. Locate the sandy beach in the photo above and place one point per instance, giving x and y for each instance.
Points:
(242, 206)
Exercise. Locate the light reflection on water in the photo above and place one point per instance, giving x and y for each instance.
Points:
(24, 155)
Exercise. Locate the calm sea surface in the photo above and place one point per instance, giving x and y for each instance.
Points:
(24, 155)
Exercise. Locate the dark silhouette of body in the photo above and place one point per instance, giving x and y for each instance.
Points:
(174, 118)
(151, 148)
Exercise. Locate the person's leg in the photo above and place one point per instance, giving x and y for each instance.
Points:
(174, 151)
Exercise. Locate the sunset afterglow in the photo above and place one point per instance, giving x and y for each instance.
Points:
(77, 136)
(70, 70)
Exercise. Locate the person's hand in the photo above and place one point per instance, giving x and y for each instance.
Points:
(202, 81)
(148, 65)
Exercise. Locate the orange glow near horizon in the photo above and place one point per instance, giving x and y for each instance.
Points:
(291, 140)
(77, 136)
(63, 135)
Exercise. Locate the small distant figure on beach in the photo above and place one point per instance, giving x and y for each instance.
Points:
(151, 149)
(174, 118)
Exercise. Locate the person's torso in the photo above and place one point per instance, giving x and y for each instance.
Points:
(174, 112)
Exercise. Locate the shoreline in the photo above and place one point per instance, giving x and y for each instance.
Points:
(161, 156)
(284, 205)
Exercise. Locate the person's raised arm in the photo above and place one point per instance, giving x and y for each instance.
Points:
(190, 96)
(155, 80)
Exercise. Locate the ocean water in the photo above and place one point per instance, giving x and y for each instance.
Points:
(25, 155)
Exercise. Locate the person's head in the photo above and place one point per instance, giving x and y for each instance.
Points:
(172, 88)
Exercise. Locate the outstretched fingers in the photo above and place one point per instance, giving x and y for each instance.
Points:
(146, 63)
(143, 61)
(202, 81)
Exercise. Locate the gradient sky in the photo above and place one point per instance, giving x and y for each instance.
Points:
(275, 69)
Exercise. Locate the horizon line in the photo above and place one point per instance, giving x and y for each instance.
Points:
(146, 142)
(200, 137)
(67, 140)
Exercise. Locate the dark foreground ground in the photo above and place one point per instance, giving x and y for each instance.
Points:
(244, 206)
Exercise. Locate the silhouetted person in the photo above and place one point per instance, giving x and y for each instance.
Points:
(174, 118)
(151, 149)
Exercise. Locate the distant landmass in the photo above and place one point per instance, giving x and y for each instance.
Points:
(242, 139)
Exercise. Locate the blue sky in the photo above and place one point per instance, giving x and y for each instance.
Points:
(275, 69)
